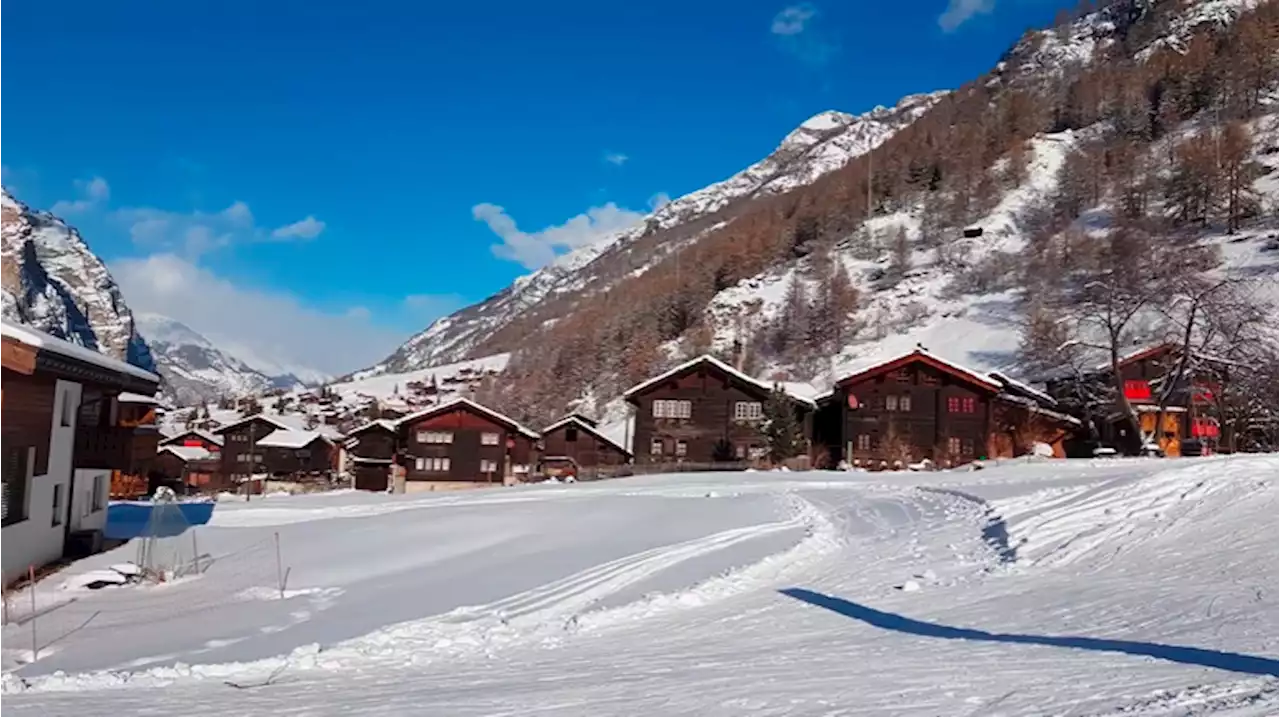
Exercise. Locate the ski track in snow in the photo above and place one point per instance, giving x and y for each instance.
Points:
(1176, 553)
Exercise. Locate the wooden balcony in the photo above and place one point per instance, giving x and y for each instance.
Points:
(104, 447)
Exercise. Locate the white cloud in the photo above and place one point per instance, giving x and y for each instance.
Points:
(537, 249)
(797, 30)
(959, 12)
(659, 200)
(616, 158)
(191, 233)
(433, 305)
(271, 325)
(791, 20)
(308, 228)
(93, 192)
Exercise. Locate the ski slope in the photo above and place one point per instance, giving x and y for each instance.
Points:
(1142, 587)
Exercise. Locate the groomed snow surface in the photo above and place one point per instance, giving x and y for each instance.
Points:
(1049, 588)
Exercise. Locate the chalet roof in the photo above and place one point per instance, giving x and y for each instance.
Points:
(585, 426)
(53, 344)
(579, 416)
(468, 403)
(290, 439)
(281, 425)
(1035, 407)
(383, 423)
(188, 453)
(930, 358)
(130, 397)
(719, 365)
(217, 440)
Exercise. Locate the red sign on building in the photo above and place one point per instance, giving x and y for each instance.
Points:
(1137, 390)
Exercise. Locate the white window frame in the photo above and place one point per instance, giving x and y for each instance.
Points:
(904, 403)
(489, 438)
(420, 464)
(682, 448)
(488, 466)
(655, 446)
(891, 402)
(56, 520)
(672, 408)
(748, 411)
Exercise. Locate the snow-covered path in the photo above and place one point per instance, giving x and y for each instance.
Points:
(1079, 588)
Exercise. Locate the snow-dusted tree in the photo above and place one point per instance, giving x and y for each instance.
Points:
(781, 428)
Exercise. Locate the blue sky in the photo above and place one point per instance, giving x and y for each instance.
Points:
(301, 180)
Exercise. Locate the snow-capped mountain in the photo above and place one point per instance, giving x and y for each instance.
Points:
(820, 145)
(194, 369)
(54, 282)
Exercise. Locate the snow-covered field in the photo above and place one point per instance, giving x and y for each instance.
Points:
(1058, 587)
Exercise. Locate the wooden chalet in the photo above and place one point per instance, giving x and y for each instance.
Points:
(461, 443)
(189, 469)
(1189, 425)
(704, 412)
(920, 406)
(371, 449)
(573, 446)
(64, 434)
(262, 447)
(195, 437)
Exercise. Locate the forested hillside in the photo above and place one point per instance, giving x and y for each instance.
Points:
(1136, 137)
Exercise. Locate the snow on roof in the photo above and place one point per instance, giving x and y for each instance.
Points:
(217, 440)
(454, 403)
(586, 426)
(708, 358)
(1025, 388)
(286, 438)
(188, 453)
(928, 357)
(1031, 405)
(376, 423)
(41, 340)
(129, 397)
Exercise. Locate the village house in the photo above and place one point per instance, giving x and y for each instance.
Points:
(461, 443)
(1190, 420)
(262, 447)
(574, 446)
(194, 437)
(705, 412)
(64, 433)
(371, 449)
(919, 406)
(189, 469)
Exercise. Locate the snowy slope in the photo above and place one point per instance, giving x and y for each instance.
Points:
(820, 145)
(55, 283)
(195, 371)
(1137, 587)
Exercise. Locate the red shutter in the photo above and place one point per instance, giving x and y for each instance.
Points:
(853, 401)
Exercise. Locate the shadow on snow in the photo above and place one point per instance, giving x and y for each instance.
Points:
(1234, 662)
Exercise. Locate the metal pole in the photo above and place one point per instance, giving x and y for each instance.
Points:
(279, 567)
(31, 577)
(195, 547)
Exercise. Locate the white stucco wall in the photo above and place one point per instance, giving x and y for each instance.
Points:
(84, 516)
(37, 541)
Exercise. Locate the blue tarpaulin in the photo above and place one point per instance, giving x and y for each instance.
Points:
(128, 520)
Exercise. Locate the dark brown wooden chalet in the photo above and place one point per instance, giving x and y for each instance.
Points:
(703, 412)
(371, 448)
(241, 457)
(920, 406)
(574, 446)
(63, 439)
(189, 469)
(297, 455)
(461, 441)
(1189, 416)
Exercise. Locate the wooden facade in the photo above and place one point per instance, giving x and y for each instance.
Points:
(1189, 420)
(463, 442)
(194, 437)
(575, 447)
(371, 449)
(241, 457)
(703, 412)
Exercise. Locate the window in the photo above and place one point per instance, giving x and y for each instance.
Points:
(904, 403)
(488, 466)
(956, 404)
(242, 457)
(432, 465)
(17, 468)
(68, 409)
(99, 490)
(682, 448)
(672, 408)
(571, 434)
(953, 446)
(486, 439)
(57, 504)
(928, 379)
(655, 447)
(420, 464)
(902, 376)
(960, 446)
(890, 403)
(436, 437)
(864, 441)
(748, 411)
(257, 457)
(740, 451)
(966, 447)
